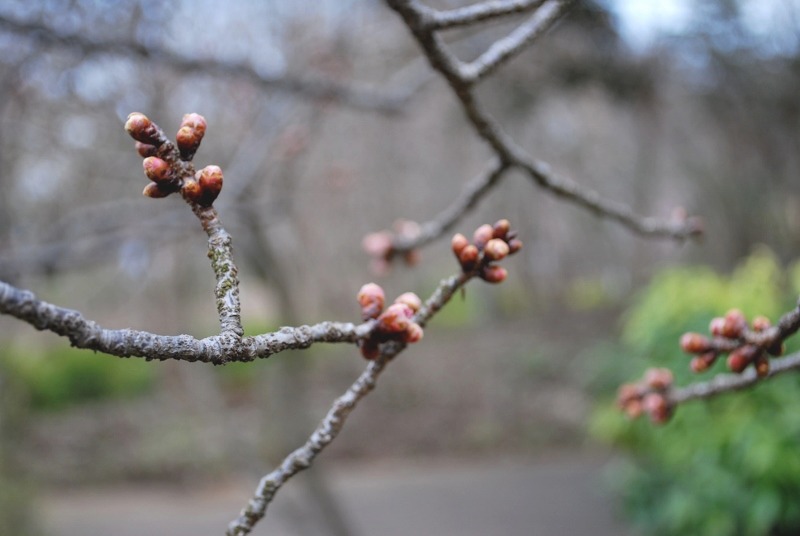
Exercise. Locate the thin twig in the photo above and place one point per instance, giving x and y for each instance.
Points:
(468, 15)
(334, 421)
(307, 87)
(467, 199)
(417, 18)
(724, 383)
(503, 50)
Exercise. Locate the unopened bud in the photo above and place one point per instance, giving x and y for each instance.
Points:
(657, 408)
(378, 244)
(188, 140)
(496, 249)
(501, 228)
(694, 343)
(371, 298)
(761, 365)
(735, 324)
(413, 333)
(482, 235)
(412, 300)
(514, 245)
(741, 357)
(210, 179)
(156, 169)
(145, 149)
(395, 319)
(761, 323)
(142, 129)
(716, 326)
(369, 349)
(658, 378)
(196, 122)
(468, 257)
(153, 190)
(458, 243)
(494, 274)
(703, 362)
(192, 191)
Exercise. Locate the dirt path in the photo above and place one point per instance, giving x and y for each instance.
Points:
(517, 498)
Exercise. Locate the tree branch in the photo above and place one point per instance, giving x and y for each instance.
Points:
(334, 421)
(310, 88)
(724, 383)
(417, 18)
(503, 50)
(473, 14)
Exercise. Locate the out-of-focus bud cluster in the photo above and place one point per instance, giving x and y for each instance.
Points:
(395, 323)
(380, 245)
(729, 335)
(167, 167)
(490, 243)
(648, 396)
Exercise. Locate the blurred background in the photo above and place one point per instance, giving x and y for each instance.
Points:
(328, 125)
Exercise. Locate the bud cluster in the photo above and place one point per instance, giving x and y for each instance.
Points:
(731, 335)
(380, 245)
(490, 243)
(648, 396)
(169, 167)
(395, 323)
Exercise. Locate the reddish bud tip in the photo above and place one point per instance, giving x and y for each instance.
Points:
(716, 326)
(657, 408)
(188, 140)
(378, 245)
(192, 191)
(411, 300)
(371, 298)
(468, 257)
(496, 249)
(735, 324)
(494, 274)
(633, 409)
(703, 362)
(141, 129)
(761, 323)
(741, 357)
(658, 378)
(458, 243)
(196, 122)
(153, 190)
(413, 333)
(694, 343)
(145, 149)
(156, 169)
(500, 228)
(482, 235)
(628, 392)
(514, 245)
(210, 179)
(395, 319)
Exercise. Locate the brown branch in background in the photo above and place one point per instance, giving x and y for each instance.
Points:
(420, 20)
(359, 97)
(468, 15)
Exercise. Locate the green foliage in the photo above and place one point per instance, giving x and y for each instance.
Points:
(727, 466)
(59, 377)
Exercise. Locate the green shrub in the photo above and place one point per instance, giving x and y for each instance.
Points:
(59, 377)
(730, 465)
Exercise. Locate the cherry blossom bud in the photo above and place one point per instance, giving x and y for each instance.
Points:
(741, 357)
(395, 319)
(514, 245)
(458, 243)
(371, 298)
(411, 300)
(413, 333)
(145, 149)
(210, 179)
(496, 249)
(468, 257)
(482, 235)
(500, 228)
(761, 323)
(142, 129)
(192, 191)
(735, 324)
(694, 343)
(156, 169)
(153, 190)
(378, 244)
(716, 326)
(369, 349)
(658, 378)
(657, 407)
(494, 274)
(703, 362)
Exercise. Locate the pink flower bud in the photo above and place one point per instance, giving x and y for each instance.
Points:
(411, 300)
(395, 319)
(210, 179)
(156, 169)
(413, 333)
(371, 298)
(494, 274)
(153, 190)
(500, 228)
(496, 249)
(482, 235)
(142, 129)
